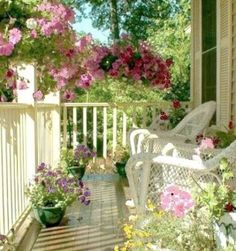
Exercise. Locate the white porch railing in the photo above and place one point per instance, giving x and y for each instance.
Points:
(105, 125)
(29, 135)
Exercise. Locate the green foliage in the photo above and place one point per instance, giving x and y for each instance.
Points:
(172, 39)
(121, 155)
(115, 90)
(224, 138)
(219, 198)
(80, 155)
(176, 115)
(133, 15)
(158, 230)
(52, 188)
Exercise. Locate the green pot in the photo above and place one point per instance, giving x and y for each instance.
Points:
(120, 167)
(77, 171)
(49, 216)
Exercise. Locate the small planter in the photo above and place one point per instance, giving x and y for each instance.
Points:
(49, 216)
(77, 171)
(120, 167)
(225, 230)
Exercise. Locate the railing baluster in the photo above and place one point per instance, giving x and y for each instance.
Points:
(154, 112)
(64, 126)
(144, 123)
(13, 166)
(134, 117)
(5, 223)
(85, 125)
(95, 128)
(75, 131)
(105, 133)
(114, 142)
(124, 128)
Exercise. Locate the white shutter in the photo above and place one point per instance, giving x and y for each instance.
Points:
(196, 73)
(233, 85)
(224, 61)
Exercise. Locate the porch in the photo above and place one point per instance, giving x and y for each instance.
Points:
(94, 227)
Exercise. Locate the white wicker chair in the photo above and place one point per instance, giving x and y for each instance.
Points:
(193, 124)
(149, 173)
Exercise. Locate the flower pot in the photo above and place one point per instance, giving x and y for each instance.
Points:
(225, 230)
(77, 171)
(49, 216)
(120, 167)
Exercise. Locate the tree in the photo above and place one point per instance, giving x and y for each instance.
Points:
(129, 16)
(172, 39)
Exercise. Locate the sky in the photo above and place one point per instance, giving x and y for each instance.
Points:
(86, 26)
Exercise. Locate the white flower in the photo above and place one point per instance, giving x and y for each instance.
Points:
(31, 23)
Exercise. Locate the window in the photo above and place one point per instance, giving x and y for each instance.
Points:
(208, 50)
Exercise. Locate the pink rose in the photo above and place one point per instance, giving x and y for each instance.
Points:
(14, 36)
(68, 95)
(38, 95)
(6, 49)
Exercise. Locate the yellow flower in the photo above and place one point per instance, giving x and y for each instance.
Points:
(133, 217)
(159, 214)
(116, 248)
(150, 205)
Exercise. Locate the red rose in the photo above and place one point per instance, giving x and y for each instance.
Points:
(164, 116)
(229, 207)
(230, 125)
(176, 104)
(10, 73)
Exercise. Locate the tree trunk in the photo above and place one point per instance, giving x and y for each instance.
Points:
(115, 31)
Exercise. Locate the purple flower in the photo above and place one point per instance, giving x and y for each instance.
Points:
(80, 184)
(50, 173)
(51, 190)
(41, 167)
(82, 199)
(62, 182)
(87, 192)
(87, 202)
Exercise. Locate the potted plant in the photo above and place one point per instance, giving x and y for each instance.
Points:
(76, 160)
(220, 200)
(120, 159)
(51, 192)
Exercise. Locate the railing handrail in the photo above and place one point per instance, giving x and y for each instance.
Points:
(4, 105)
(161, 103)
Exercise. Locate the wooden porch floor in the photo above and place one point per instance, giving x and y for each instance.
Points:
(94, 227)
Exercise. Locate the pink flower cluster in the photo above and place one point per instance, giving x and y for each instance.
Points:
(206, 142)
(72, 73)
(59, 18)
(176, 201)
(134, 63)
(7, 45)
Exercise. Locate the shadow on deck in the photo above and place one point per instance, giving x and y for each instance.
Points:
(94, 227)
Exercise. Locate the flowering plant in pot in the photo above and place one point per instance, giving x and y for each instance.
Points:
(76, 160)
(173, 225)
(120, 159)
(52, 191)
(220, 201)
